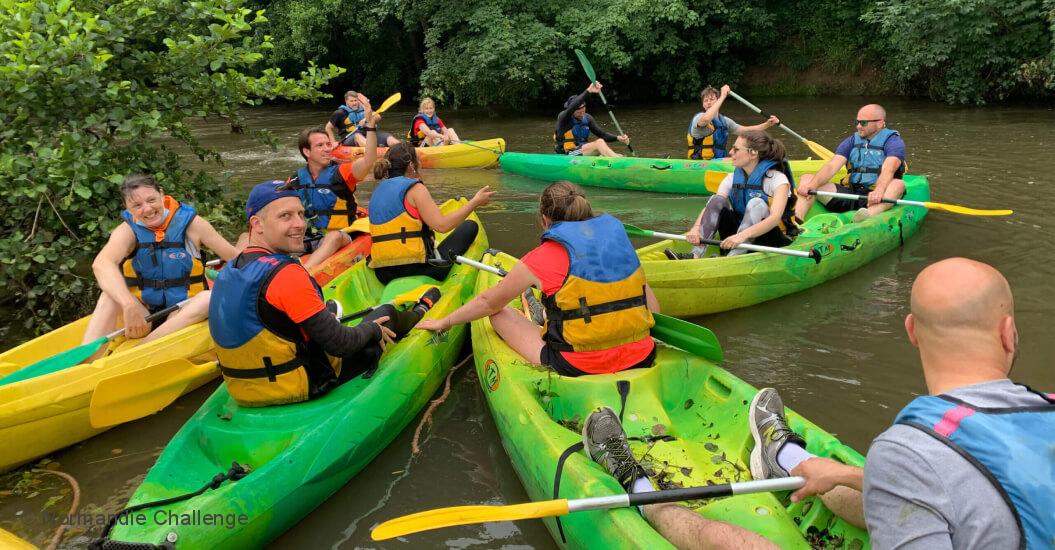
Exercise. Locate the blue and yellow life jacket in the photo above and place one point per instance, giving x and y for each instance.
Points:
(866, 161)
(1010, 446)
(263, 362)
(576, 136)
(601, 304)
(434, 123)
(351, 121)
(398, 238)
(712, 146)
(165, 268)
(323, 207)
(747, 187)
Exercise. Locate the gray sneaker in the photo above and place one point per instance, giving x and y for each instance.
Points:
(605, 442)
(771, 432)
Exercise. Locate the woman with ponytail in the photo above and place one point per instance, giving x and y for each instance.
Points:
(403, 216)
(754, 204)
(598, 306)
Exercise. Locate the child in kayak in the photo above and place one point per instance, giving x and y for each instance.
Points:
(586, 268)
(574, 126)
(427, 129)
(754, 204)
(709, 130)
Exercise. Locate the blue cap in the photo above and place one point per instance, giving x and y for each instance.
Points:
(263, 193)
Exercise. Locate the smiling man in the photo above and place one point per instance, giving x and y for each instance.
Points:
(152, 261)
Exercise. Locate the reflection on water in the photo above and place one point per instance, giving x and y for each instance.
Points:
(836, 352)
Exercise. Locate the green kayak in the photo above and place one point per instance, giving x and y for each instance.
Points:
(689, 288)
(298, 454)
(689, 177)
(688, 423)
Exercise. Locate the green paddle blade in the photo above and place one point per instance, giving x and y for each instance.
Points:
(635, 231)
(586, 66)
(56, 362)
(688, 336)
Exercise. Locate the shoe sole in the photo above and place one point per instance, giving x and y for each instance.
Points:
(758, 469)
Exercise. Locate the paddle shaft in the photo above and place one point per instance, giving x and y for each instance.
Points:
(751, 106)
(745, 246)
(481, 266)
(148, 318)
(852, 196)
(687, 493)
(592, 75)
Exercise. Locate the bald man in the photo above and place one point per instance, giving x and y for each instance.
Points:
(970, 465)
(874, 157)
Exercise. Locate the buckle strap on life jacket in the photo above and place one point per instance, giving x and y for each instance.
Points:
(586, 311)
(269, 371)
(163, 284)
(402, 236)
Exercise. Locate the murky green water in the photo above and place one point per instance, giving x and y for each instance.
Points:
(837, 352)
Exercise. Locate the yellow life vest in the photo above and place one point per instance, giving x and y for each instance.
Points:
(713, 144)
(398, 237)
(601, 304)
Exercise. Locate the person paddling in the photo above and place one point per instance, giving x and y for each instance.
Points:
(347, 125)
(574, 126)
(584, 261)
(754, 204)
(709, 130)
(277, 341)
(155, 259)
(874, 157)
(403, 216)
(427, 128)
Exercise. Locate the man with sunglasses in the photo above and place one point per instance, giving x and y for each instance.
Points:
(874, 157)
(574, 126)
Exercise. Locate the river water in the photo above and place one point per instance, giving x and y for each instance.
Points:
(837, 352)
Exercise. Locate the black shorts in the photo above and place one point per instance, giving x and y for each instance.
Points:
(839, 205)
(560, 365)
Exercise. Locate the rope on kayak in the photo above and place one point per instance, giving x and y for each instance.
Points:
(57, 537)
(427, 418)
(236, 472)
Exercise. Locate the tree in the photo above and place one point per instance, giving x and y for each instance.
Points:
(87, 91)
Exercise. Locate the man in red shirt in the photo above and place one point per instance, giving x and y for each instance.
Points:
(277, 341)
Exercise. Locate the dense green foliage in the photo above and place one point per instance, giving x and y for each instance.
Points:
(87, 90)
(504, 52)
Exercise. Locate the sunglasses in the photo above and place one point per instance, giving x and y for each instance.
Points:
(866, 122)
(734, 149)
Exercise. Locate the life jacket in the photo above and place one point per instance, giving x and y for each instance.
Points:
(711, 146)
(351, 121)
(601, 304)
(866, 160)
(434, 123)
(747, 187)
(1011, 446)
(323, 207)
(574, 137)
(164, 268)
(398, 237)
(264, 358)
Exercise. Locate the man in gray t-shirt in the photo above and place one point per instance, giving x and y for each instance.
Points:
(918, 491)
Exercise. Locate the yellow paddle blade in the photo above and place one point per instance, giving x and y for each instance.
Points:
(967, 211)
(133, 395)
(360, 225)
(465, 515)
(410, 296)
(392, 100)
(819, 149)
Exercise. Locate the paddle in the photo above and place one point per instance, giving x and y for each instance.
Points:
(392, 100)
(688, 336)
(466, 515)
(133, 395)
(817, 148)
(931, 205)
(76, 355)
(360, 225)
(635, 231)
(592, 75)
(409, 297)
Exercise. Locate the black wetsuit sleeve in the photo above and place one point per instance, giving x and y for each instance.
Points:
(564, 118)
(338, 340)
(601, 133)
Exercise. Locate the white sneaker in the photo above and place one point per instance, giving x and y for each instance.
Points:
(861, 215)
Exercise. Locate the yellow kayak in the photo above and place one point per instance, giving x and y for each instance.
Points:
(8, 541)
(467, 154)
(46, 413)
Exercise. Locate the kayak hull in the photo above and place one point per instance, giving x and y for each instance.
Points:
(702, 407)
(468, 154)
(682, 176)
(50, 412)
(299, 454)
(689, 288)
